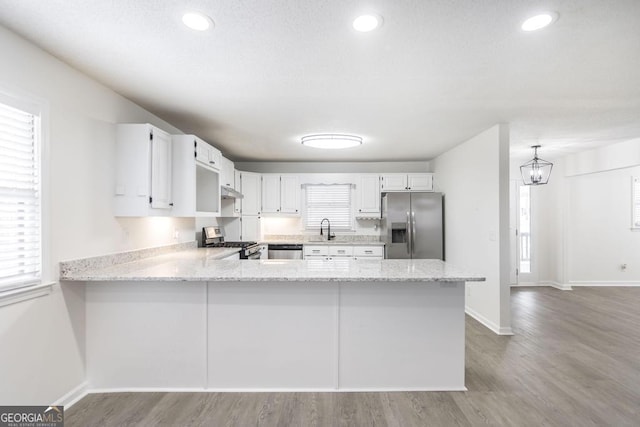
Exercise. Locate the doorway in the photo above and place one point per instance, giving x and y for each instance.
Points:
(520, 233)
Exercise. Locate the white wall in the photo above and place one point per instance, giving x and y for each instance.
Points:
(474, 177)
(583, 219)
(42, 340)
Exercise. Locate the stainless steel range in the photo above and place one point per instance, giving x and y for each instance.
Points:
(213, 237)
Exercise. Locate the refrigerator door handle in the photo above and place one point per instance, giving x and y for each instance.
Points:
(413, 232)
(409, 234)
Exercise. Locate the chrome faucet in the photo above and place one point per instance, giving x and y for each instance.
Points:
(329, 236)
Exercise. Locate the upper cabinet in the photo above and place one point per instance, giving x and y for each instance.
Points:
(207, 154)
(227, 176)
(280, 194)
(407, 182)
(143, 171)
(196, 183)
(250, 189)
(367, 194)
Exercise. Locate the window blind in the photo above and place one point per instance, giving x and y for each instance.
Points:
(635, 201)
(20, 232)
(328, 201)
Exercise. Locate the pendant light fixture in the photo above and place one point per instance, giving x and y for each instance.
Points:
(536, 171)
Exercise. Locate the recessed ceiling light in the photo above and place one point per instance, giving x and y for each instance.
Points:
(539, 21)
(366, 23)
(331, 141)
(197, 21)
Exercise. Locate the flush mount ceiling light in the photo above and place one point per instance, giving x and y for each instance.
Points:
(536, 171)
(331, 141)
(539, 21)
(197, 21)
(366, 23)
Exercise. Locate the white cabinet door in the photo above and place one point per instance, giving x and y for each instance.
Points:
(252, 193)
(270, 193)
(290, 194)
(321, 251)
(237, 203)
(420, 182)
(368, 252)
(250, 229)
(227, 172)
(160, 170)
(368, 194)
(394, 182)
(143, 171)
(340, 251)
(407, 182)
(207, 154)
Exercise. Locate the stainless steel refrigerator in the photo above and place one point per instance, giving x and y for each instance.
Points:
(412, 225)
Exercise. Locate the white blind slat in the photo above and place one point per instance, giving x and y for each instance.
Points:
(20, 238)
(328, 201)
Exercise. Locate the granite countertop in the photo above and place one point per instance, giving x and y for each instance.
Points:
(200, 265)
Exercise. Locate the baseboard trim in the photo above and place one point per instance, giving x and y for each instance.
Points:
(267, 390)
(561, 286)
(603, 283)
(73, 396)
(489, 324)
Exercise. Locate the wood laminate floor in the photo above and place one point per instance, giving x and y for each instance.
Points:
(574, 361)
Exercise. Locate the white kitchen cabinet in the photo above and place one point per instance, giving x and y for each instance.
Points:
(407, 182)
(340, 251)
(207, 154)
(289, 194)
(250, 228)
(196, 185)
(368, 194)
(250, 188)
(143, 171)
(280, 194)
(328, 252)
(420, 181)
(368, 252)
(317, 251)
(237, 203)
(227, 172)
(270, 193)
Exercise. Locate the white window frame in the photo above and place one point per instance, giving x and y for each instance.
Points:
(635, 203)
(40, 108)
(334, 227)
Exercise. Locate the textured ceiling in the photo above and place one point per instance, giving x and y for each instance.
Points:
(436, 73)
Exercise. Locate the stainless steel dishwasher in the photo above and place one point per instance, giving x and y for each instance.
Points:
(285, 251)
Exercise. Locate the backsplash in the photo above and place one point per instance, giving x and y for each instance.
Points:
(303, 238)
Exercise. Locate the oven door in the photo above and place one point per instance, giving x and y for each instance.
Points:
(255, 255)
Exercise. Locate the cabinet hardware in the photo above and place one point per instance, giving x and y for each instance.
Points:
(170, 204)
(150, 199)
(150, 136)
(212, 162)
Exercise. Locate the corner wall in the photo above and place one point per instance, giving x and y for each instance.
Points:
(42, 339)
(474, 177)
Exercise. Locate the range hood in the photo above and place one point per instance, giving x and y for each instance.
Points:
(229, 193)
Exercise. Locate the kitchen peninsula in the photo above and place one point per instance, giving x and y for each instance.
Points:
(186, 320)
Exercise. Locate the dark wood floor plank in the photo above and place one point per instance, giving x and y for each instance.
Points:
(574, 361)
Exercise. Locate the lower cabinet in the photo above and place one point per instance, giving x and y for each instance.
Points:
(328, 252)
